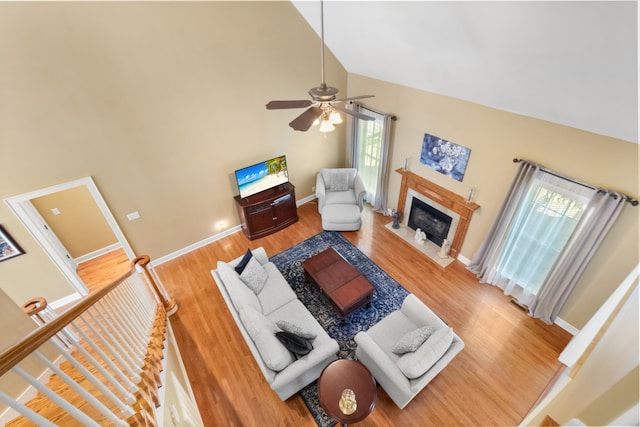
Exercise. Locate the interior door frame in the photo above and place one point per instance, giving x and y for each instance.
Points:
(17, 205)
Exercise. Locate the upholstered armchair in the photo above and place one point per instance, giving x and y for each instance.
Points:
(404, 375)
(339, 186)
(340, 193)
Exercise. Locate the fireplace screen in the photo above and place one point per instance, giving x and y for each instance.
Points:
(434, 223)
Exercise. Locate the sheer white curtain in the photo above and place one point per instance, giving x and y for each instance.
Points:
(541, 228)
(368, 150)
(546, 231)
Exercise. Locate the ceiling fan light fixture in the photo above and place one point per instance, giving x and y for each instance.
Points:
(326, 125)
(335, 117)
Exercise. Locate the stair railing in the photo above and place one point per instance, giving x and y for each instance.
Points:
(105, 353)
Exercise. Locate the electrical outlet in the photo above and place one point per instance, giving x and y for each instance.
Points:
(313, 189)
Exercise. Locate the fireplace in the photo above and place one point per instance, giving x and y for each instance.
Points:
(456, 208)
(433, 222)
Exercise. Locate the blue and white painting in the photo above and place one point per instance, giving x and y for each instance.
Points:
(444, 156)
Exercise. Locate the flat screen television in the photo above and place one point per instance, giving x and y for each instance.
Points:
(262, 176)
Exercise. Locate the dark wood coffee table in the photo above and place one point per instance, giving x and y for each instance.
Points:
(351, 374)
(340, 282)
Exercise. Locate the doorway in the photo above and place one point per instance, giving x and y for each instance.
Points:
(30, 207)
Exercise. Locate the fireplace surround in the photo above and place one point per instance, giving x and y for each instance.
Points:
(447, 202)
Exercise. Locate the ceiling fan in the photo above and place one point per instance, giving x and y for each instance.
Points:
(323, 106)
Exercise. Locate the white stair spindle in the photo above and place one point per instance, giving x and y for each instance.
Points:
(126, 410)
(129, 398)
(98, 350)
(55, 398)
(36, 418)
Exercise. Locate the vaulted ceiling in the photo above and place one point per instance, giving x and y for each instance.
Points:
(574, 63)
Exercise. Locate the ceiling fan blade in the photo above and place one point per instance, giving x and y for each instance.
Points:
(352, 98)
(279, 105)
(353, 113)
(306, 119)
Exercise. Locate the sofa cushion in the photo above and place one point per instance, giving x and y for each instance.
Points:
(262, 331)
(296, 328)
(416, 363)
(412, 340)
(239, 293)
(254, 276)
(294, 343)
(338, 179)
(276, 292)
(243, 262)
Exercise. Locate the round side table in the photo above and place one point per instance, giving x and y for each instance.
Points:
(341, 374)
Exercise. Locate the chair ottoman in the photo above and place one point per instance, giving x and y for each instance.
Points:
(341, 217)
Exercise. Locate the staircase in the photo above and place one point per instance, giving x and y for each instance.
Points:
(101, 362)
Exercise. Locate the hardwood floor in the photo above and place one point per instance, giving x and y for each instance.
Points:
(100, 271)
(508, 359)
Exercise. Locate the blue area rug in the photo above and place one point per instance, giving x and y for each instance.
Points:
(387, 297)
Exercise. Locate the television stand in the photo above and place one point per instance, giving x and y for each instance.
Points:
(268, 211)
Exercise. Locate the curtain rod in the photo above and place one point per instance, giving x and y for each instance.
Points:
(632, 201)
(394, 118)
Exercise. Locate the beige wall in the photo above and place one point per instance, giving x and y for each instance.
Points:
(79, 224)
(159, 102)
(495, 138)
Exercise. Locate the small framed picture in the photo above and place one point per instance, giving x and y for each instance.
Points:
(8, 247)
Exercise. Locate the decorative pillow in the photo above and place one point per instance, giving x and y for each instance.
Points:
(239, 293)
(339, 181)
(416, 363)
(262, 331)
(412, 340)
(254, 275)
(294, 343)
(243, 262)
(287, 326)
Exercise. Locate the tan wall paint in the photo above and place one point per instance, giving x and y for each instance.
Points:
(80, 226)
(15, 325)
(159, 102)
(495, 138)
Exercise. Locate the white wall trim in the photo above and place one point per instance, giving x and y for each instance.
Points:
(566, 326)
(97, 253)
(64, 301)
(211, 239)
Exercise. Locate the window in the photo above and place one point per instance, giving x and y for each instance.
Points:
(369, 151)
(539, 232)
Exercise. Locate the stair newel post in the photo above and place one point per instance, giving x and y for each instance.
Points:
(169, 303)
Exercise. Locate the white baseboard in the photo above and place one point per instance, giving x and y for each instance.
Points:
(566, 326)
(463, 259)
(65, 301)
(211, 239)
(99, 252)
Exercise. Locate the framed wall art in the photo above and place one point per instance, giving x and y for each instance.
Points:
(8, 247)
(444, 156)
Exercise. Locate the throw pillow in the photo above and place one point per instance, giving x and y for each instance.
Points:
(262, 331)
(287, 326)
(243, 262)
(254, 276)
(294, 343)
(412, 340)
(417, 363)
(339, 181)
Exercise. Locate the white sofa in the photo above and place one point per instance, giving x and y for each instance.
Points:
(256, 315)
(404, 376)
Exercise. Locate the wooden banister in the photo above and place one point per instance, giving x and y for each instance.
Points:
(169, 303)
(18, 351)
(114, 331)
